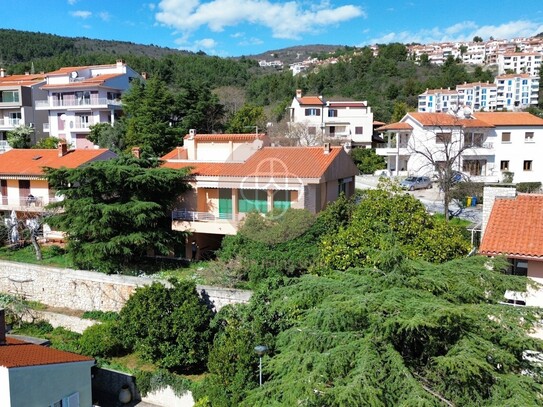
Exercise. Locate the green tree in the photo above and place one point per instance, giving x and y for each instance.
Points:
(114, 212)
(367, 160)
(150, 117)
(20, 137)
(47, 143)
(247, 120)
(400, 333)
(386, 218)
(198, 108)
(105, 135)
(477, 39)
(168, 326)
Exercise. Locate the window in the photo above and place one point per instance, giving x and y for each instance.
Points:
(506, 137)
(504, 165)
(312, 112)
(518, 267)
(473, 139)
(253, 200)
(527, 166)
(9, 96)
(358, 130)
(529, 136)
(442, 138)
(332, 113)
(281, 200)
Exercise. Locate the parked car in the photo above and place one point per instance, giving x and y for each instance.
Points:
(412, 183)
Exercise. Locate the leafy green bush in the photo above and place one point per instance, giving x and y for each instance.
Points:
(148, 382)
(528, 187)
(103, 316)
(101, 340)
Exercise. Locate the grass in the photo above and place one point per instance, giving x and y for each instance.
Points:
(52, 256)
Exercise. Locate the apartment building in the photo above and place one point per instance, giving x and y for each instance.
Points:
(488, 144)
(507, 92)
(79, 97)
(345, 122)
(18, 95)
(520, 62)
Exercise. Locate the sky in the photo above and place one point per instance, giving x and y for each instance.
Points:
(230, 28)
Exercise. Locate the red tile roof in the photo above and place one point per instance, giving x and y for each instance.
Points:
(515, 227)
(509, 118)
(21, 80)
(32, 161)
(228, 137)
(395, 126)
(310, 100)
(87, 82)
(17, 353)
(180, 153)
(347, 104)
(296, 162)
(435, 119)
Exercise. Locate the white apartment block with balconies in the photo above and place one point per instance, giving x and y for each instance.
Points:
(18, 94)
(520, 62)
(517, 91)
(346, 122)
(79, 97)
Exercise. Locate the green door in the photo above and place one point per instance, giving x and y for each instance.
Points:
(225, 203)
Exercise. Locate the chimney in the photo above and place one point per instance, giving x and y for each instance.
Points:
(62, 148)
(136, 152)
(120, 63)
(298, 93)
(2, 326)
(144, 75)
(326, 148)
(2, 73)
(192, 133)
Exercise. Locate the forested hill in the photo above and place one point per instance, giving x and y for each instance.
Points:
(23, 46)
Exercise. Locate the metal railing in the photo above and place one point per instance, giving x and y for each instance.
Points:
(194, 216)
(75, 102)
(28, 202)
(10, 122)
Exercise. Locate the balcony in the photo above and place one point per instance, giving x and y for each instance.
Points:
(391, 148)
(74, 104)
(10, 123)
(4, 146)
(30, 203)
(206, 222)
(479, 149)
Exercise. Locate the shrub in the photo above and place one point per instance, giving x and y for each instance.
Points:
(103, 316)
(101, 340)
(528, 187)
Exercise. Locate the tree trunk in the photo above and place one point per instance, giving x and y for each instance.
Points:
(37, 247)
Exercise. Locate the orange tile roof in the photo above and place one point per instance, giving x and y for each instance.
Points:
(395, 126)
(296, 162)
(17, 353)
(514, 75)
(435, 119)
(480, 84)
(475, 123)
(180, 153)
(347, 104)
(310, 100)
(228, 137)
(509, 118)
(32, 161)
(515, 227)
(21, 80)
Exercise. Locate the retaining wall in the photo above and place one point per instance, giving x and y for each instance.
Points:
(88, 290)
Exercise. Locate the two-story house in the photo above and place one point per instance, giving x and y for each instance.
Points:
(78, 97)
(344, 122)
(234, 174)
(23, 187)
(18, 95)
(485, 144)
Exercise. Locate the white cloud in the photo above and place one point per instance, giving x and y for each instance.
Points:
(463, 31)
(238, 35)
(81, 14)
(72, 2)
(251, 41)
(104, 15)
(286, 20)
(206, 43)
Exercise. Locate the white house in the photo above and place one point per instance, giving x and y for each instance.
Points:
(487, 144)
(520, 62)
(346, 122)
(79, 97)
(35, 375)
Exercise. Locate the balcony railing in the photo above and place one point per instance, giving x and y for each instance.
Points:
(194, 216)
(76, 103)
(28, 202)
(10, 122)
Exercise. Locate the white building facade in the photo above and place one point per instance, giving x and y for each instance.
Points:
(520, 62)
(346, 122)
(491, 144)
(79, 97)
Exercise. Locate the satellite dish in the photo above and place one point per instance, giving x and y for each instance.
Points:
(62, 117)
(73, 74)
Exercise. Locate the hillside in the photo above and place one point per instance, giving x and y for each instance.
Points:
(294, 54)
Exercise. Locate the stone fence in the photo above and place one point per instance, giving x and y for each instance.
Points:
(88, 290)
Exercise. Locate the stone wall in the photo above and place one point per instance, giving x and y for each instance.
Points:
(87, 290)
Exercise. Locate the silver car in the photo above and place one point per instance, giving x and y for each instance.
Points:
(412, 183)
